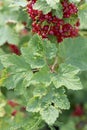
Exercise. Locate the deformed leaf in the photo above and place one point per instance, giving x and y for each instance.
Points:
(42, 77)
(39, 91)
(33, 54)
(67, 76)
(50, 115)
(61, 101)
(34, 105)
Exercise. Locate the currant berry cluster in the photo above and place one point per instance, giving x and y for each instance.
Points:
(48, 24)
(68, 9)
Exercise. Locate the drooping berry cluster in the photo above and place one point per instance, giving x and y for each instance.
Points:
(47, 24)
(69, 9)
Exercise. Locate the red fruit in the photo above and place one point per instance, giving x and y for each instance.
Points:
(22, 109)
(14, 113)
(78, 111)
(14, 49)
(68, 9)
(24, 23)
(12, 103)
(78, 23)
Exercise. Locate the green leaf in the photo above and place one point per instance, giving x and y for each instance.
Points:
(83, 18)
(53, 4)
(83, 77)
(42, 77)
(50, 115)
(67, 76)
(34, 105)
(18, 71)
(33, 54)
(68, 126)
(7, 34)
(2, 105)
(60, 100)
(42, 6)
(34, 123)
(1, 66)
(2, 112)
(39, 91)
(57, 8)
(74, 52)
(19, 3)
(17, 80)
(34, 60)
(14, 60)
(30, 122)
(58, 12)
(50, 50)
(2, 100)
(56, 97)
(74, 1)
